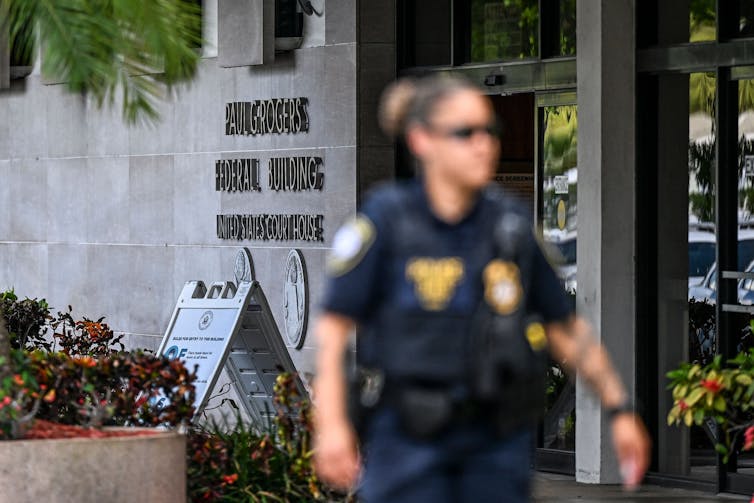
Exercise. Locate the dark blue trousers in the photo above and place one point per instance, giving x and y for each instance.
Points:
(468, 463)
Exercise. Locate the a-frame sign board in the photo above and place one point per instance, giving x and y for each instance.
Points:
(231, 326)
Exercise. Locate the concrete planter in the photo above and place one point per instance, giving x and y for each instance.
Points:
(149, 468)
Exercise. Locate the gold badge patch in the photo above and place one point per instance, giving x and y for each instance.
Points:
(502, 286)
(435, 280)
(537, 337)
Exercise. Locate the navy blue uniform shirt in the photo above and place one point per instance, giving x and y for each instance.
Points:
(441, 282)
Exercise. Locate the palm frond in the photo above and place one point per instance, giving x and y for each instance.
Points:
(141, 48)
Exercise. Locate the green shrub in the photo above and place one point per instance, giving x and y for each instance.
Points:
(249, 465)
(84, 337)
(26, 321)
(92, 382)
(724, 394)
(120, 389)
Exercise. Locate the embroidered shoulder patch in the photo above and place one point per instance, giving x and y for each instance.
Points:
(351, 243)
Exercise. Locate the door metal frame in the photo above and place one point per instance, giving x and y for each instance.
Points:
(731, 60)
(549, 460)
(552, 79)
(553, 83)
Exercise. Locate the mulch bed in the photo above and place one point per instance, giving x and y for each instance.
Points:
(42, 429)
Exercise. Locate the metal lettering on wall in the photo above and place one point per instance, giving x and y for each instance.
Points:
(275, 116)
(295, 174)
(237, 175)
(271, 227)
(286, 174)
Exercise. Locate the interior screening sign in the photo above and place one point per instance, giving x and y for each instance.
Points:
(198, 338)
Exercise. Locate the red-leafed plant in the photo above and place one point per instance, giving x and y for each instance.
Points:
(90, 382)
(720, 393)
(248, 464)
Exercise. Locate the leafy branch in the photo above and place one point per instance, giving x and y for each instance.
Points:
(724, 394)
(102, 47)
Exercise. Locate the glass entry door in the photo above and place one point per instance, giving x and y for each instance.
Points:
(695, 174)
(538, 165)
(735, 208)
(557, 214)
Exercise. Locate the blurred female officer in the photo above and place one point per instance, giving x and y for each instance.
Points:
(454, 301)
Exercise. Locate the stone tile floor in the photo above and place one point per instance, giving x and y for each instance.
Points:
(550, 488)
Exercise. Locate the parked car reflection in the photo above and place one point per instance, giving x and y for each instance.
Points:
(563, 244)
(707, 290)
(701, 252)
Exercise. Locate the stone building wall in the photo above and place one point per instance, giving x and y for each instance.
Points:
(113, 219)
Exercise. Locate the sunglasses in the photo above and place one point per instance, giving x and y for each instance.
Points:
(466, 132)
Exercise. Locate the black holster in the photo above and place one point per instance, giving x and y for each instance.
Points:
(425, 411)
(365, 394)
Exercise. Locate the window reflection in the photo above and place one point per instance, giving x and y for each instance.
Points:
(702, 272)
(741, 325)
(504, 30)
(701, 150)
(567, 27)
(701, 232)
(745, 171)
(702, 144)
(746, 24)
(559, 228)
(702, 18)
(559, 194)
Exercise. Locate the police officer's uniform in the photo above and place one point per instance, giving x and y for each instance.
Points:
(415, 285)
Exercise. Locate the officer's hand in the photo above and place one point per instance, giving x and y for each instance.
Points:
(336, 458)
(632, 447)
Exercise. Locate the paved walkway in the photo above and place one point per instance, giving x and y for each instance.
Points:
(550, 488)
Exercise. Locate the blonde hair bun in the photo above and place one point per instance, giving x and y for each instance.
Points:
(394, 106)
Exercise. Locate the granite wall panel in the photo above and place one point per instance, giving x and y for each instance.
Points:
(27, 116)
(341, 21)
(5, 125)
(105, 133)
(150, 289)
(147, 138)
(24, 268)
(151, 187)
(197, 203)
(66, 124)
(27, 200)
(69, 281)
(67, 197)
(108, 200)
(114, 219)
(6, 207)
(245, 32)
